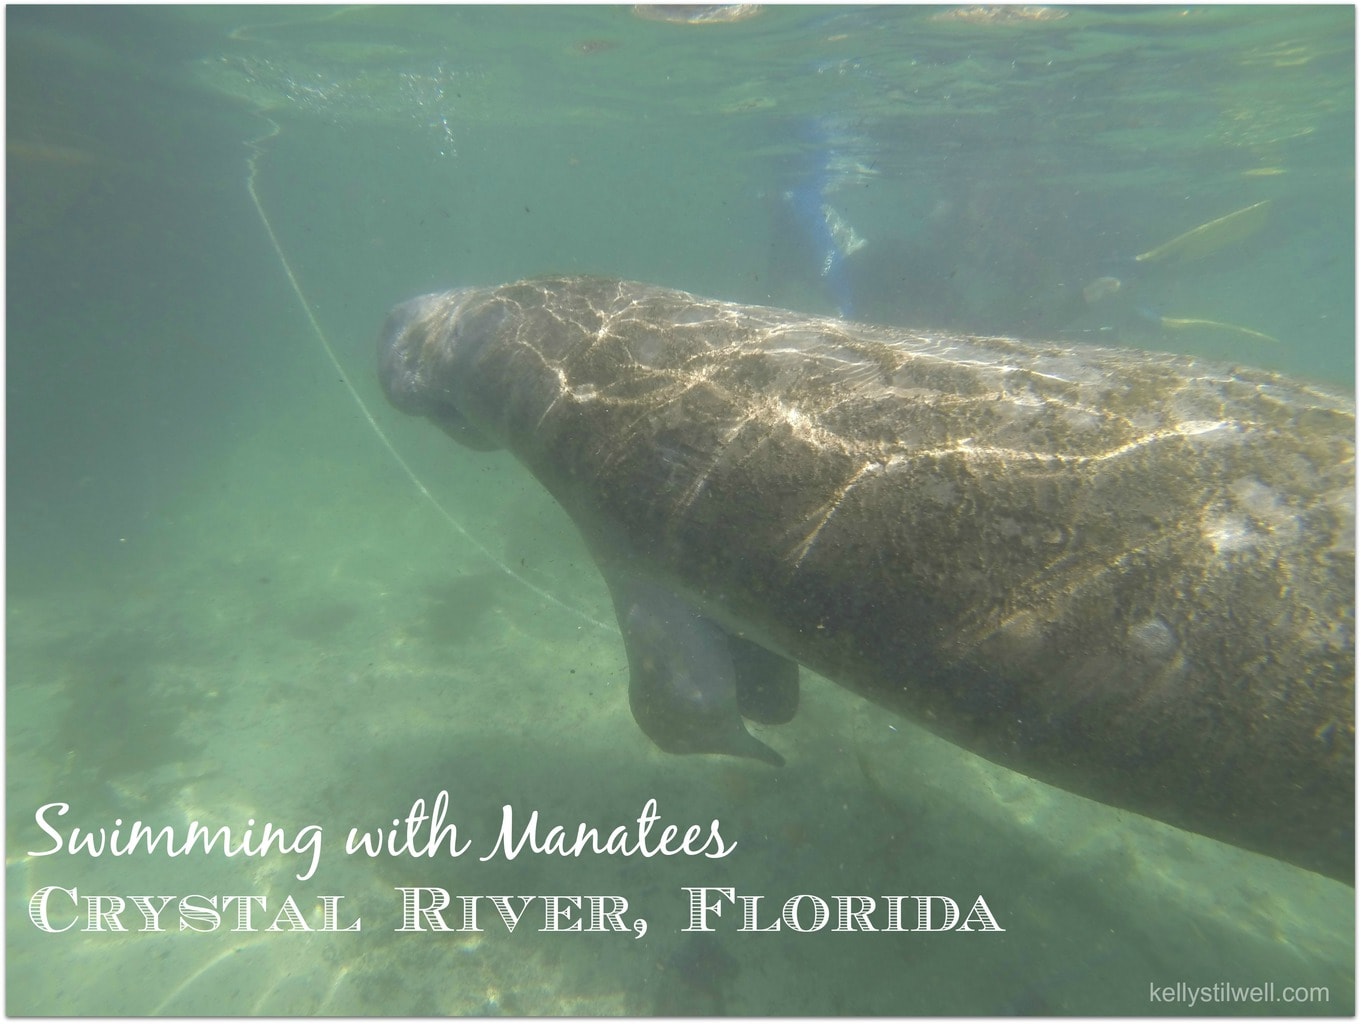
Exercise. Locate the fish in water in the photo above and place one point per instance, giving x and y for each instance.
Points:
(1127, 574)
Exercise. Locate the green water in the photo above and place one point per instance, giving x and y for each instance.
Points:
(227, 600)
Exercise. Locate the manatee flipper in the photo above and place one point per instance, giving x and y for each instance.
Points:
(767, 683)
(683, 683)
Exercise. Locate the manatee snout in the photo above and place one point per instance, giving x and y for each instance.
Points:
(414, 348)
(400, 345)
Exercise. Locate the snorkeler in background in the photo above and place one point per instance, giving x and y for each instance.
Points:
(813, 241)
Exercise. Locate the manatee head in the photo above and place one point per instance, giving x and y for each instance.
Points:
(419, 340)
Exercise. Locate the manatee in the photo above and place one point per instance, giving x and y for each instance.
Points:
(1124, 573)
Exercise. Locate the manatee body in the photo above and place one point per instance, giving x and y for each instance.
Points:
(1128, 574)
